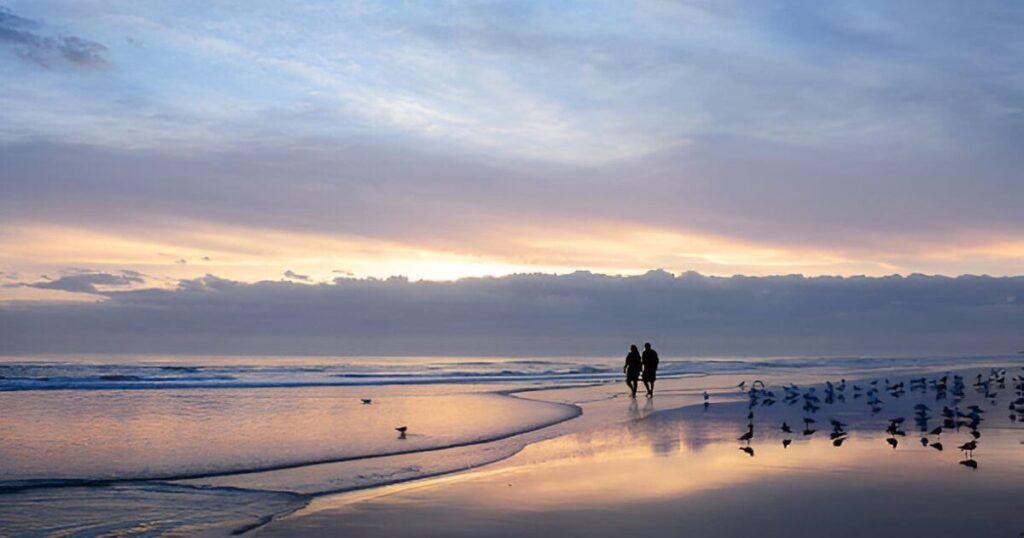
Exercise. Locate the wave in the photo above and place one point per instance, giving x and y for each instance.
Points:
(23, 376)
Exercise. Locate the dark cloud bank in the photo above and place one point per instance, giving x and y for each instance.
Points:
(575, 314)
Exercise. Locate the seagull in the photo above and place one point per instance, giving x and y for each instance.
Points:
(401, 431)
(839, 441)
(747, 436)
(741, 385)
(969, 446)
(892, 442)
(924, 441)
(936, 431)
(366, 401)
(786, 443)
(706, 396)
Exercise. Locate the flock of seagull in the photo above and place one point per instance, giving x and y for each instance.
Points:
(949, 391)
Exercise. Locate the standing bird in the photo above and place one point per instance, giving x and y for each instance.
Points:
(786, 443)
(969, 447)
(786, 429)
(401, 431)
(366, 401)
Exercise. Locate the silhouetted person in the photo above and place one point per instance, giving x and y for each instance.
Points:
(650, 367)
(632, 369)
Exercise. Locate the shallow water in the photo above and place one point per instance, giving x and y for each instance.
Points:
(173, 433)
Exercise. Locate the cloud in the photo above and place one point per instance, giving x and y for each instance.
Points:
(86, 282)
(27, 38)
(883, 214)
(538, 314)
(295, 276)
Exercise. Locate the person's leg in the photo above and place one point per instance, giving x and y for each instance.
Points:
(652, 388)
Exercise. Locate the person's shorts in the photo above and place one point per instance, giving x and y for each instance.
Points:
(632, 375)
(650, 375)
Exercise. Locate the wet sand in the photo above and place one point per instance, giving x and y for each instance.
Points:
(653, 468)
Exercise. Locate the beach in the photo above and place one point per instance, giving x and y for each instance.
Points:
(511, 447)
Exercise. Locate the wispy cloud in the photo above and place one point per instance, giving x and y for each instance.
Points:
(87, 282)
(33, 41)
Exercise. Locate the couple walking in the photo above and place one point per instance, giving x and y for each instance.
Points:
(637, 363)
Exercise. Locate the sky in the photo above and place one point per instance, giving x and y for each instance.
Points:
(147, 145)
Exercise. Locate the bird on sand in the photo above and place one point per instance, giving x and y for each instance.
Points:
(401, 431)
(786, 443)
(839, 441)
(366, 401)
(892, 442)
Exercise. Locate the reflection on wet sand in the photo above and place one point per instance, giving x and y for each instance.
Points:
(678, 470)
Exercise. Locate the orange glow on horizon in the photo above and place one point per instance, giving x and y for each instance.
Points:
(168, 252)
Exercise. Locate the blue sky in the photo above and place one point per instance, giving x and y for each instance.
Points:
(440, 140)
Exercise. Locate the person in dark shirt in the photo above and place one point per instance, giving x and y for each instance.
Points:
(632, 369)
(649, 360)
